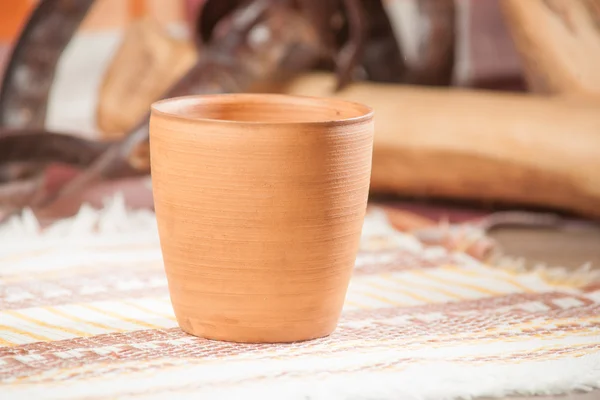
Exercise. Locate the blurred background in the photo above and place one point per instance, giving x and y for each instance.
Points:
(481, 104)
(483, 53)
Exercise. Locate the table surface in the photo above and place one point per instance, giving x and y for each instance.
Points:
(556, 248)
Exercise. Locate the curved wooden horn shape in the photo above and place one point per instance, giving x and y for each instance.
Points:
(30, 71)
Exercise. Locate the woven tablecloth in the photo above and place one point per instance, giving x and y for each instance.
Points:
(85, 314)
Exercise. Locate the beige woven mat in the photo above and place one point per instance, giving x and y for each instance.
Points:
(85, 314)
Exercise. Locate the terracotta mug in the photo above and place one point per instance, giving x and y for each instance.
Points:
(260, 201)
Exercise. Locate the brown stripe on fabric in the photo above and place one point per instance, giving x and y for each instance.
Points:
(413, 333)
(591, 288)
(148, 345)
(507, 357)
(110, 284)
(397, 261)
(108, 339)
(400, 362)
(484, 304)
(167, 340)
(500, 325)
(317, 373)
(96, 268)
(79, 299)
(402, 260)
(23, 371)
(199, 349)
(487, 306)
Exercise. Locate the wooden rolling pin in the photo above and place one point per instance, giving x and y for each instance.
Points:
(474, 145)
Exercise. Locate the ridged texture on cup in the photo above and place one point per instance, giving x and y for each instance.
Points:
(260, 201)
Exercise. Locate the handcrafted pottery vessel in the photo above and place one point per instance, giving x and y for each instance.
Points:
(260, 201)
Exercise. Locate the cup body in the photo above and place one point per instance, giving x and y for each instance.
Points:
(260, 201)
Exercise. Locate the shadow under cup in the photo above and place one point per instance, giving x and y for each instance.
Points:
(260, 201)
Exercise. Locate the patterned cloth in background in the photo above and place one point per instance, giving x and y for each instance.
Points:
(85, 314)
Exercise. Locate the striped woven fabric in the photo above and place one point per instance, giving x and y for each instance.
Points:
(85, 314)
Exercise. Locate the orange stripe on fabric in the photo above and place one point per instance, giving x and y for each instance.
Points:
(404, 292)
(431, 288)
(83, 321)
(149, 311)
(379, 298)
(23, 255)
(394, 290)
(120, 317)
(25, 333)
(6, 343)
(354, 304)
(19, 315)
(455, 283)
(462, 271)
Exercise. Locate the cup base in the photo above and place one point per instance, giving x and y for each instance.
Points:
(256, 335)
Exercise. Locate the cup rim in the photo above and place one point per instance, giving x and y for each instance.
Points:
(366, 112)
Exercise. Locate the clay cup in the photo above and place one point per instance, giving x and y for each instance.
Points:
(260, 201)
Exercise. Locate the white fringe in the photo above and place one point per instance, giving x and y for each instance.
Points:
(113, 218)
(430, 381)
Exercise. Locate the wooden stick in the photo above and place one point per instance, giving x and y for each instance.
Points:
(459, 144)
(559, 43)
(145, 65)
